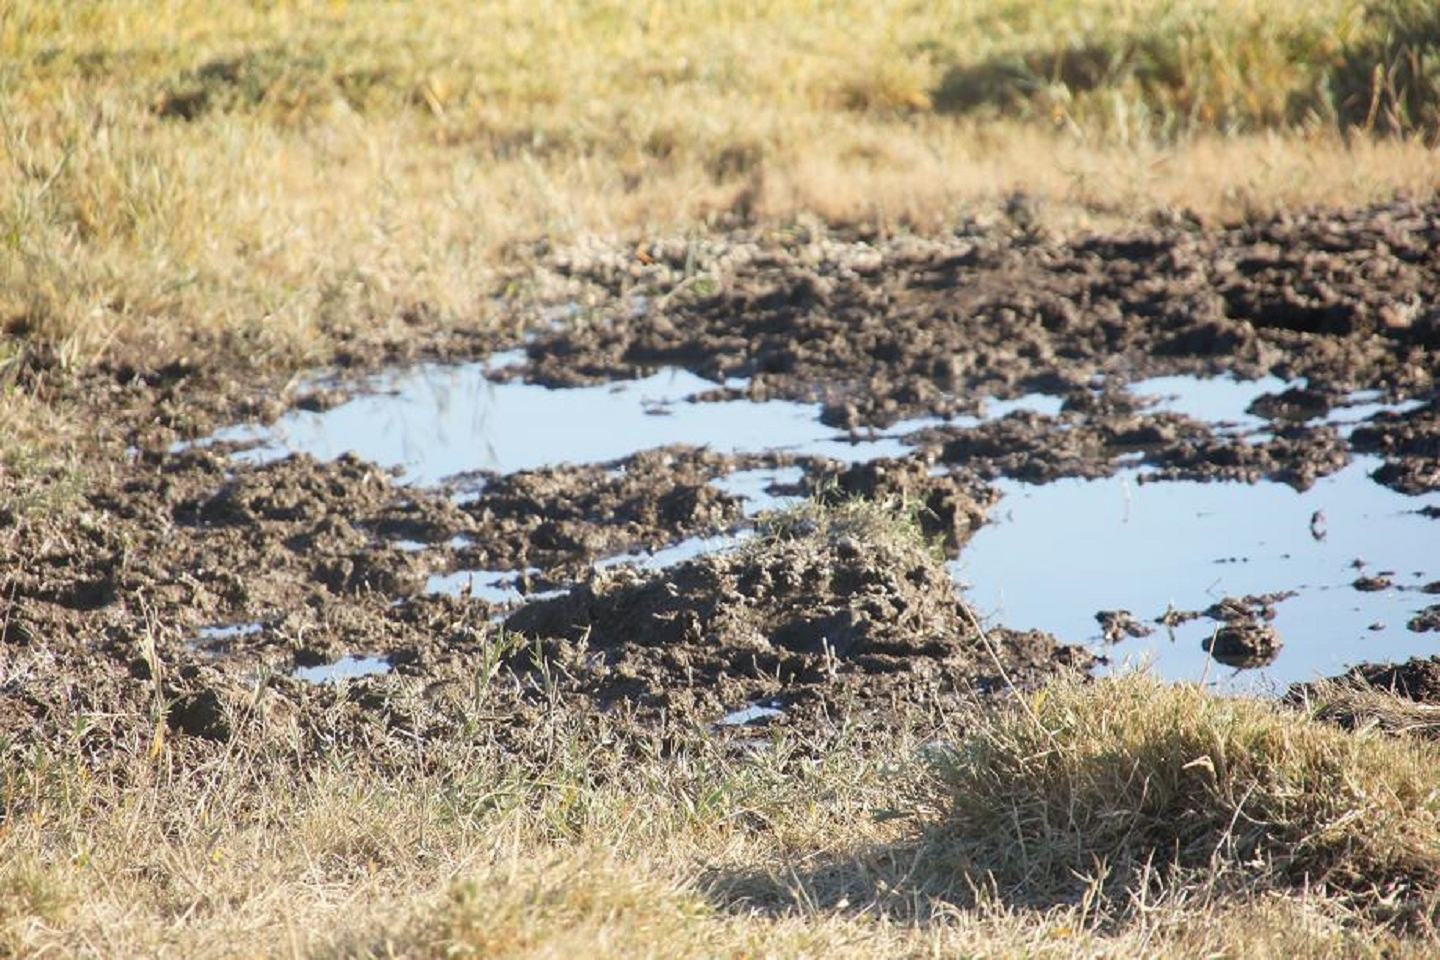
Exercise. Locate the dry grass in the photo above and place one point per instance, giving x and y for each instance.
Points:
(279, 173)
(799, 850)
(1357, 705)
(1112, 785)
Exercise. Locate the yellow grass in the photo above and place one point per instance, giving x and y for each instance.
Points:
(803, 849)
(278, 172)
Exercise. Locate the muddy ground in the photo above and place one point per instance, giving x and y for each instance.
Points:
(107, 596)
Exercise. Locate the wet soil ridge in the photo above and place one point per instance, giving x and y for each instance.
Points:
(947, 508)
(555, 518)
(824, 608)
(884, 328)
(1088, 439)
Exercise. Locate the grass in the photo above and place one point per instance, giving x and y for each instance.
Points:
(856, 846)
(1116, 783)
(248, 187)
(258, 180)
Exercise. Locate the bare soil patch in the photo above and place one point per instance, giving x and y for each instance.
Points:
(105, 602)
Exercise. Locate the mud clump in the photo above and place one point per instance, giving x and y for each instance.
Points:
(950, 507)
(1245, 638)
(1416, 679)
(1426, 621)
(829, 609)
(558, 517)
(201, 714)
(1295, 455)
(1116, 625)
(1410, 444)
(1244, 644)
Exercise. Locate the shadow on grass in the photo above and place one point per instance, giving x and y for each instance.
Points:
(1203, 73)
(891, 879)
(1390, 83)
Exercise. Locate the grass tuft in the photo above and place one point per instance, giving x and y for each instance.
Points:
(1116, 785)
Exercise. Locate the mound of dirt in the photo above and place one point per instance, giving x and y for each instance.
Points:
(553, 517)
(819, 613)
(1416, 679)
(949, 507)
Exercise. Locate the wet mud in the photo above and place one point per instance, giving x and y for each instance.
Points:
(813, 612)
(299, 594)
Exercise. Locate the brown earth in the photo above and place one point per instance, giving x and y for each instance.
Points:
(104, 596)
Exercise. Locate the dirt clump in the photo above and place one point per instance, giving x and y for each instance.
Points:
(555, 518)
(820, 610)
(1416, 679)
(1426, 621)
(949, 507)
(1117, 625)
(1410, 444)
(1244, 643)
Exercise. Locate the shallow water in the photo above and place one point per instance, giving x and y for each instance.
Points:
(1053, 555)
(1214, 400)
(748, 715)
(346, 668)
(434, 422)
(228, 631)
(492, 586)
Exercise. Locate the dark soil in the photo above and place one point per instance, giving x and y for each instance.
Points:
(1415, 679)
(1244, 643)
(109, 572)
(808, 614)
(1116, 625)
(1427, 620)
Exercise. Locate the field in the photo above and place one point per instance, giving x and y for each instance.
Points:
(885, 228)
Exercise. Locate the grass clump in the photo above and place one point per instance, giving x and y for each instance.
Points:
(1123, 785)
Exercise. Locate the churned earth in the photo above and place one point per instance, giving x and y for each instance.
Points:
(894, 385)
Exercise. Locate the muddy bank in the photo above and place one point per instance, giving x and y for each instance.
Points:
(823, 608)
(1344, 299)
(190, 584)
(212, 594)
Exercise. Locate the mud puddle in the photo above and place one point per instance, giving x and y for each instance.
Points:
(434, 422)
(1055, 555)
(989, 380)
(1059, 556)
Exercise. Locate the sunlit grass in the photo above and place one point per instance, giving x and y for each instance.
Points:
(919, 842)
(266, 175)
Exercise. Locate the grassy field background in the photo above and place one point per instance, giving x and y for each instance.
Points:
(281, 170)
